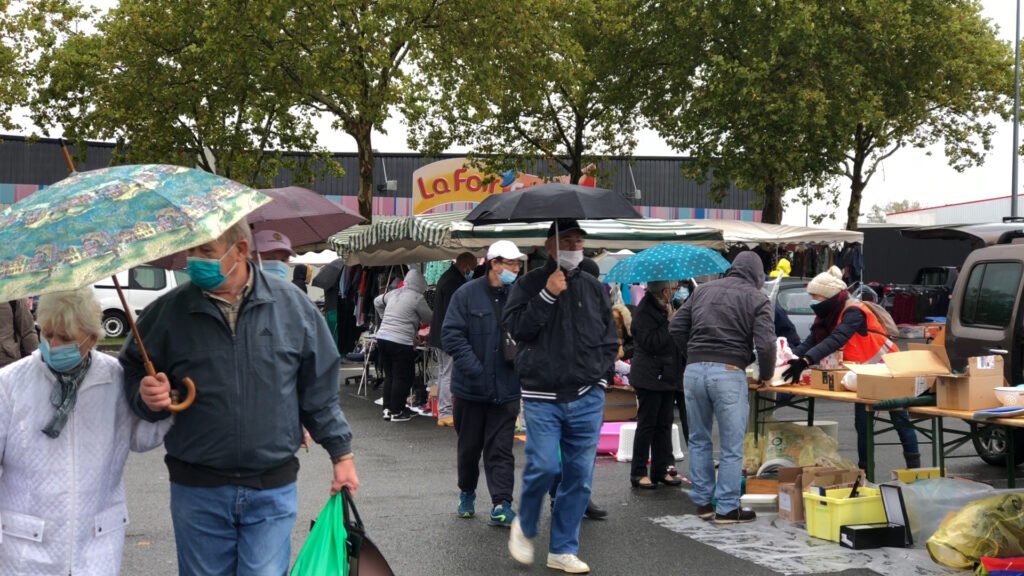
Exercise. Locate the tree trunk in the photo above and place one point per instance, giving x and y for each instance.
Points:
(361, 131)
(771, 212)
(857, 184)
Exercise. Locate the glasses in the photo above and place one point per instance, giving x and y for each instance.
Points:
(512, 265)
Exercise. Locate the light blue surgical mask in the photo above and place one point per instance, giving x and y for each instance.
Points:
(507, 277)
(682, 294)
(60, 358)
(469, 275)
(275, 267)
(205, 272)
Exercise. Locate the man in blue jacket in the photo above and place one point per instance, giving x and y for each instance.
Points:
(264, 366)
(484, 383)
(567, 344)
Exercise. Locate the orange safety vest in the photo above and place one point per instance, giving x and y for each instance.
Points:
(870, 348)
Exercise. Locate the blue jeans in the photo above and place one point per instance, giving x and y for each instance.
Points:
(575, 428)
(900, 421)
(232, 530)
(719, 391)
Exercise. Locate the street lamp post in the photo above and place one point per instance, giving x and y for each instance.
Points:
(1016, 114)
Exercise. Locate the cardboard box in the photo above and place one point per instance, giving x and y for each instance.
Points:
(791, 502)
(830, 380)
(916, 331)
(793, 482)
(901, 374)
(620, 404)
(762, 486)
(894, 532)
(972, 390)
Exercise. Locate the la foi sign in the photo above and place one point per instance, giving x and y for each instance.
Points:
(455, 180)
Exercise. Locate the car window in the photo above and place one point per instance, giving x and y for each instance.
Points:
(796, 301)
(180, 277)
(990, 294)
(147, 278)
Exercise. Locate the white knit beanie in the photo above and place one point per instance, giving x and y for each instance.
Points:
(827, 284)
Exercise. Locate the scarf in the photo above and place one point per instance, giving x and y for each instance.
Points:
(65, 395)
(826, 315)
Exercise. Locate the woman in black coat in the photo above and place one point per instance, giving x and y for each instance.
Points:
(656, 374)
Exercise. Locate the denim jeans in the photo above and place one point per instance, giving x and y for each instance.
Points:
(716, 391)
(575, 428)
(904, 429)
(231, 530)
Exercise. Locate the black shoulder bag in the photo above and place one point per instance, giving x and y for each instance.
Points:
(508, 345)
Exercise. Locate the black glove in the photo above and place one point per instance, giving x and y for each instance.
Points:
(796, 367)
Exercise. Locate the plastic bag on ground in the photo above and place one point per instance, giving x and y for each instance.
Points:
(993, 527)
(929, 501)
(802, 445)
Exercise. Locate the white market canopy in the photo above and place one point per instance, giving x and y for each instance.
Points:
(743, 232)
(404, 240)
(441, 236)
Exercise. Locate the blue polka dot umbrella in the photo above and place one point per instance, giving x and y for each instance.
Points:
(668, 262)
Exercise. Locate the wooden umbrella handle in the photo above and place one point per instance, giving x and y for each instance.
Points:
(190, 396)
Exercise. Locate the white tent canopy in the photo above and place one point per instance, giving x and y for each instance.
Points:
(743, 232)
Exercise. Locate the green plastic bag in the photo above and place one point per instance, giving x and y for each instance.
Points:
(325, 552)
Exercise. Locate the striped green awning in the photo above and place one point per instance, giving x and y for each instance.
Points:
(394, 232)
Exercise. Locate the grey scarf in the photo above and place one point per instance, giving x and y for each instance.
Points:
(65, 394)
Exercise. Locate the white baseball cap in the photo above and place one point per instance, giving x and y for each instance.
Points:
(505, 250)
(272, 241)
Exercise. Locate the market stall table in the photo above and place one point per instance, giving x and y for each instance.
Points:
(945, 449)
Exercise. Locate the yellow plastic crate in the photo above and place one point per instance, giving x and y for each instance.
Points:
(909, 475)
(826, 514)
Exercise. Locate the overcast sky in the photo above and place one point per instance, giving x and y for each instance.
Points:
(908, 175)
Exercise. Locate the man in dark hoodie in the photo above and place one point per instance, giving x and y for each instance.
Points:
(457, 274)
(719, 328)
(562, 321)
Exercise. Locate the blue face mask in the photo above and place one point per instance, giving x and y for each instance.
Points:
(276, 267)
(469, 275)
(205, 272)
(681, 294)
(507, 277)
(61, 358)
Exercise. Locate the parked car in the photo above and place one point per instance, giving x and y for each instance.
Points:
(985, 318)
(141, 285)
(794, 299)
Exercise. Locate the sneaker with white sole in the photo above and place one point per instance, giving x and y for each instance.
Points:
(519, 546)
(403, 416)
(568, 563)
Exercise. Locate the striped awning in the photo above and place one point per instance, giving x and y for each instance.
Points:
(632, 233)
(393, 233)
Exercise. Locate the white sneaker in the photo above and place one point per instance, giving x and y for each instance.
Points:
(568, 563)
(519, 545)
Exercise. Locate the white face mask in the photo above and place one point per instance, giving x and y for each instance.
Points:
(570, 259)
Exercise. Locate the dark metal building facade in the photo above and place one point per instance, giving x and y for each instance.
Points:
(26, 165)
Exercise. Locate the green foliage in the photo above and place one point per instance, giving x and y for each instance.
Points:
(28, 27)
(877, 214)
(536, 79)
(174, 81)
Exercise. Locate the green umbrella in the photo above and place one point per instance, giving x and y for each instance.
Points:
(95, 224)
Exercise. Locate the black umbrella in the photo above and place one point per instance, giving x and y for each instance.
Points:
(552, 201)
(328, 275)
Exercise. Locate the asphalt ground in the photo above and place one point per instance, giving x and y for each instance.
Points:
(408, 500)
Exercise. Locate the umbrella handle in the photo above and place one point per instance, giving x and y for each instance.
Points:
(190, 397)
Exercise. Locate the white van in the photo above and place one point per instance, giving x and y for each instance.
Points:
(141, 285)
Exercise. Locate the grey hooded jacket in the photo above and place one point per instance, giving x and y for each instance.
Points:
(725, 321)
(403, 310)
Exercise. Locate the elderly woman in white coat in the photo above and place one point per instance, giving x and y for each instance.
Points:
(65, 433)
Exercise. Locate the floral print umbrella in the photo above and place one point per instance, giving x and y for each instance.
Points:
(95, 224)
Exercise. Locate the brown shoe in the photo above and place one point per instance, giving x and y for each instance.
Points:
(446, 422)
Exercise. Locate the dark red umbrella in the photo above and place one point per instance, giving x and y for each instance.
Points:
(304, 216)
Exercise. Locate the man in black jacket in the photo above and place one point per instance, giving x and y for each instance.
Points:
(450, 281)
(562, 320)
(718, 329)
(484, 383)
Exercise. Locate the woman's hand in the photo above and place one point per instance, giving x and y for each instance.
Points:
(796, 367)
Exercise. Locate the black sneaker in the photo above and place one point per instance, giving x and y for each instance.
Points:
(403, 416)
(737, 516)
(706, 512)
(594, 512)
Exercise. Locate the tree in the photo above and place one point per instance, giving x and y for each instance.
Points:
(878, 213)
(348, 59)
(558, 83)
(173, 81)
(746, 100)
(911, 73)
(28, 27)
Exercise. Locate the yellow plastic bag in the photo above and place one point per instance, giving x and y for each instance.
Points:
(990, 527)
(801, 445)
